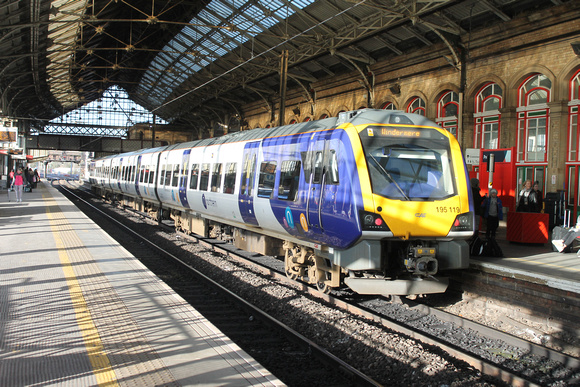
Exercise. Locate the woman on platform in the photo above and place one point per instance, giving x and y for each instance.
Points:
(528, 199)
(18, 184)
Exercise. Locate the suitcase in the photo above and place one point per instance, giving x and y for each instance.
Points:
(28, 188)
(558, 233)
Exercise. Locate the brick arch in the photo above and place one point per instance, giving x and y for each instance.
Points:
(442, 89)
(359, 104)
(511, 99)
(476, 85)
(343, 108)
(563, 80)
(416, 93)
(322, 113)
(386, 101)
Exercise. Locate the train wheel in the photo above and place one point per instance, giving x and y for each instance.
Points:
(291, 273)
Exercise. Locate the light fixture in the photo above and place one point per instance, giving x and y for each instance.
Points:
(576, 48)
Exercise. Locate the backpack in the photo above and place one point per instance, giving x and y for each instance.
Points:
(491, 248)
(476, 246)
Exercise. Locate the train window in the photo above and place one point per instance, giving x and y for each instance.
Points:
(133, 168)
(289, 176)
(216, 178)
(175, 180)
(248, 176)
(410, 170)
(204, 178)
(151, 176)
(318, 166)
(245, 173)
(162, 176)
(230, 178)
(317, 163)
(184, 176)
(267, 179)
(194, 176)
(168, 175)
(332, 169)
(142, 174)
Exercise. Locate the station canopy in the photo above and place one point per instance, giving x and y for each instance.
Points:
(189, 62)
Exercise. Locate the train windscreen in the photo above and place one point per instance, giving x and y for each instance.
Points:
(409, 163)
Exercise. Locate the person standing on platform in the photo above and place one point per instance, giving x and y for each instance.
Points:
(11, 178)
(477, 199)
(492, 212)
(36, 177)
(18, 185)
(539, 196)
(528, 201)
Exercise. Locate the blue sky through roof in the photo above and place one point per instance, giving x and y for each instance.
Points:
(114, 108)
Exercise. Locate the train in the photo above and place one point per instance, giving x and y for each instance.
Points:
(378, 201)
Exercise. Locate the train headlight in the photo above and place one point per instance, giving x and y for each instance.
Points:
(372, 221)
(463, 222)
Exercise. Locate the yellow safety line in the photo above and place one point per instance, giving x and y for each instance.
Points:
(545, 264)
(100, 362)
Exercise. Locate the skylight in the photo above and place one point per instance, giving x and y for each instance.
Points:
(208, 38)
(114, 108)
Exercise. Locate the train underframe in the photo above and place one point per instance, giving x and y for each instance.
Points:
(407, 270)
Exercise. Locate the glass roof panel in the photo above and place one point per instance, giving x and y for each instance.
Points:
(114, 108)
(208, 34)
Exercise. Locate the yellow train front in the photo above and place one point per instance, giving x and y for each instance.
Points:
(410, 189)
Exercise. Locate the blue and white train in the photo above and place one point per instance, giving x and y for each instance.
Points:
(375, 200)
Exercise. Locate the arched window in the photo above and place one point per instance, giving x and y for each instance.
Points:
(488, 101)
(292, 122)
(388, 106)
(417, 106)
(306, 119)
(447, 110)
(323, 116)
(533, 115)
(573, 162)
(573, 110)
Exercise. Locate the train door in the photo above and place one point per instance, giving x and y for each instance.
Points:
(120, 176)
(314, 161)
(183, 178)
(137, 174)
(247, 185)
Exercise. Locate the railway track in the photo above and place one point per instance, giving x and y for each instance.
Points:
(501, 359)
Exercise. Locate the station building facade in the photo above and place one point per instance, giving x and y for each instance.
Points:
(514, 87)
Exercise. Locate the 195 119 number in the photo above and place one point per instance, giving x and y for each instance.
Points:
(450, 209)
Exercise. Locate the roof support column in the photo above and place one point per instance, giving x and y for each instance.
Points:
(283, 81)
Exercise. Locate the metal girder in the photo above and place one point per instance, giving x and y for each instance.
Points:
(331, 41)
(86, 143)
(86, 130)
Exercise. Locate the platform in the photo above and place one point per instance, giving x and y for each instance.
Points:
(533, 262)
(77, 309)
